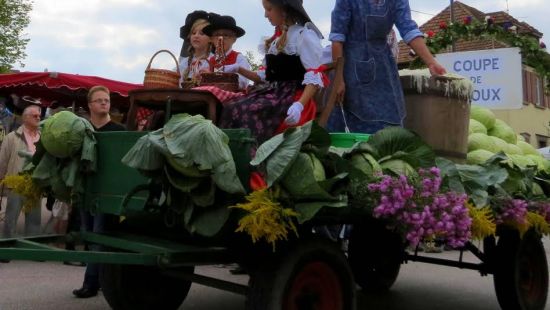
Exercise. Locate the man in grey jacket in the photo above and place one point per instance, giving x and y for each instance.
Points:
(22, 139)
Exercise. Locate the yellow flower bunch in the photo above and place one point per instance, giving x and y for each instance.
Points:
(538, 222)
(23, 185)
(483, 222)
(265, 217)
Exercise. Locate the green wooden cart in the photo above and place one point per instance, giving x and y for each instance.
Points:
(148, 258)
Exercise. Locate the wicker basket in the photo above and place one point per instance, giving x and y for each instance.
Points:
(221, 81)
(161, 78)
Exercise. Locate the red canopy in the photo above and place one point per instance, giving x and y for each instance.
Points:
(63, 87)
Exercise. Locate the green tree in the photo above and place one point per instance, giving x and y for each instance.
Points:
(14, 18)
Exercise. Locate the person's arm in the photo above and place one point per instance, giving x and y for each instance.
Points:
(414, 37)
(242, 62)
(338, 51)
(340, 24)
(309, 92)
(249, 74)
(419, 46)
(310, 51)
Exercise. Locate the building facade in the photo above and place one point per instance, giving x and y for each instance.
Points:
(532, 121)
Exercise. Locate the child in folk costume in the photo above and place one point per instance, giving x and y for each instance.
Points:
(196, 49)
(223, 31)
(291, 74)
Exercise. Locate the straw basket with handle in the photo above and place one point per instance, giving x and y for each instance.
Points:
(161, 78)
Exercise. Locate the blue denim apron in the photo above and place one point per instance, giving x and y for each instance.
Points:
(374, 97)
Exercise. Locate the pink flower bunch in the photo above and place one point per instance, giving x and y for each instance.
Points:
(512, 211)
(421, 209)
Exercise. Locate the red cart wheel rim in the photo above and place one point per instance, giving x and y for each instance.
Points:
(315, 286)
(531, 280)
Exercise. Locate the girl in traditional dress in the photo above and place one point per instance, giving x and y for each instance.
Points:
(290, 77)
(197, 47)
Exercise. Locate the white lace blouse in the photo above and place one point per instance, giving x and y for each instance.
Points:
(304, 42)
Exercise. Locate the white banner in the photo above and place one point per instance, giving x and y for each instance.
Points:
(496, 75)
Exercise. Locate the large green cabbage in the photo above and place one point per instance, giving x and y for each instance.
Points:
(476, 127)
(527, 148)
(63, 133)
(503, 131)
(479, 141)
(318, 169)
(478, 157)
(522, 161)
(500, 145)
(483, 115)
(541, 162)
(513, 149)
(366, 163)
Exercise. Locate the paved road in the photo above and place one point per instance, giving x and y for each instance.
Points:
(47, 286)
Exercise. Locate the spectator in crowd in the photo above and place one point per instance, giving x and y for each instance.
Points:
(99, 104)
(23, 139)
(8, 119)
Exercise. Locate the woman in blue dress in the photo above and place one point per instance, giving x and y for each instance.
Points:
(373, 94)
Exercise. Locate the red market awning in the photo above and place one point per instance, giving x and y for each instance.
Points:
(62, 87)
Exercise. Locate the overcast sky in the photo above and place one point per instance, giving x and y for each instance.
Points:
(116, 38)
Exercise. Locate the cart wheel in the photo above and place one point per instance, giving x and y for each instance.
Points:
(142, 287)
(521, 271)
(375, 255)
(314, 274)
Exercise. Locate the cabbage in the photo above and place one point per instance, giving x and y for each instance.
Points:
(500, 145)
(190, 171)
(478, 157)
(476, 127)
(483, 115)
(546, 164)
(366, 163)
(503, 131)
(318, 170)
(527, 148)
(479, 141)
(541, 162)
(513, 149)
(62, 134)
(537, 189)
(522, 161)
